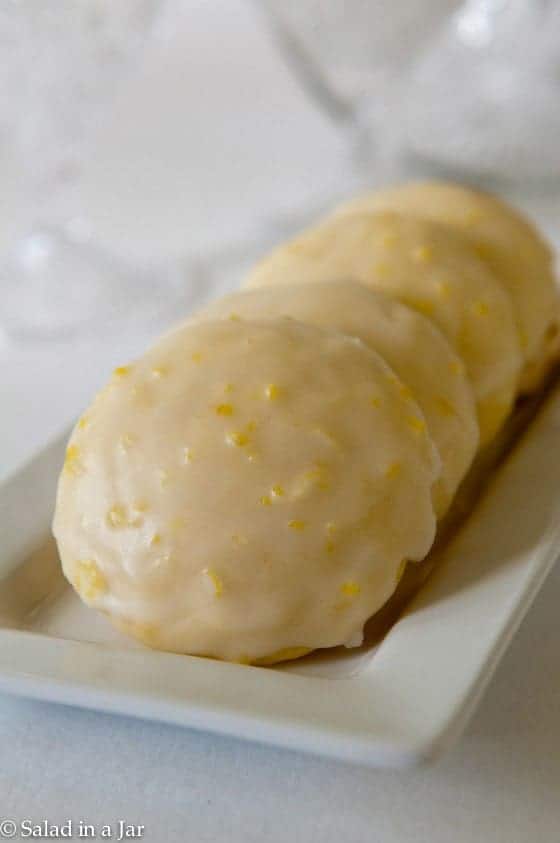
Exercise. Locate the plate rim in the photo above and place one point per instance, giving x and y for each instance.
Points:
(373, 718)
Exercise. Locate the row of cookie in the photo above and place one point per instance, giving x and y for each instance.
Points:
(468, 263)
(250, 487)
(464, 259)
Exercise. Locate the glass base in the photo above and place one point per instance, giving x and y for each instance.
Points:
(53, 285)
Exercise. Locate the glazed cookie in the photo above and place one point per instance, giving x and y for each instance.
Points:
(430, 268)
(413, 347)
(247, 491)
(502, 238)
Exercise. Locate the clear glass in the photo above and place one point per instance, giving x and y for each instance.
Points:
(469, 90)
(61, 60)
(484, 100)
(354, 59)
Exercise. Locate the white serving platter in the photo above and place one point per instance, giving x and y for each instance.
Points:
(394, 702)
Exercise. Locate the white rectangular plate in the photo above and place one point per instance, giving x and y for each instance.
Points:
(393, 704)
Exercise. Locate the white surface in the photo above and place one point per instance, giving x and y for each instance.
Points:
(392, 705)
(500, 785)
(228, 139)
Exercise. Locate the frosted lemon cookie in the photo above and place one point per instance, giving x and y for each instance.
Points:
(428, 267)
(502, 238)
(415, 349)
(246, 491)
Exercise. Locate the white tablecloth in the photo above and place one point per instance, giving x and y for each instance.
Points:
(229, 137)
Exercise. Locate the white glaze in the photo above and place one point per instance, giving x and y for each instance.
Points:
(245, 489)
(414, 348)
(432, 269)
(507, 242)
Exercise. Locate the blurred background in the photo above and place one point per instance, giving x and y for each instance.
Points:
(150, 150)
